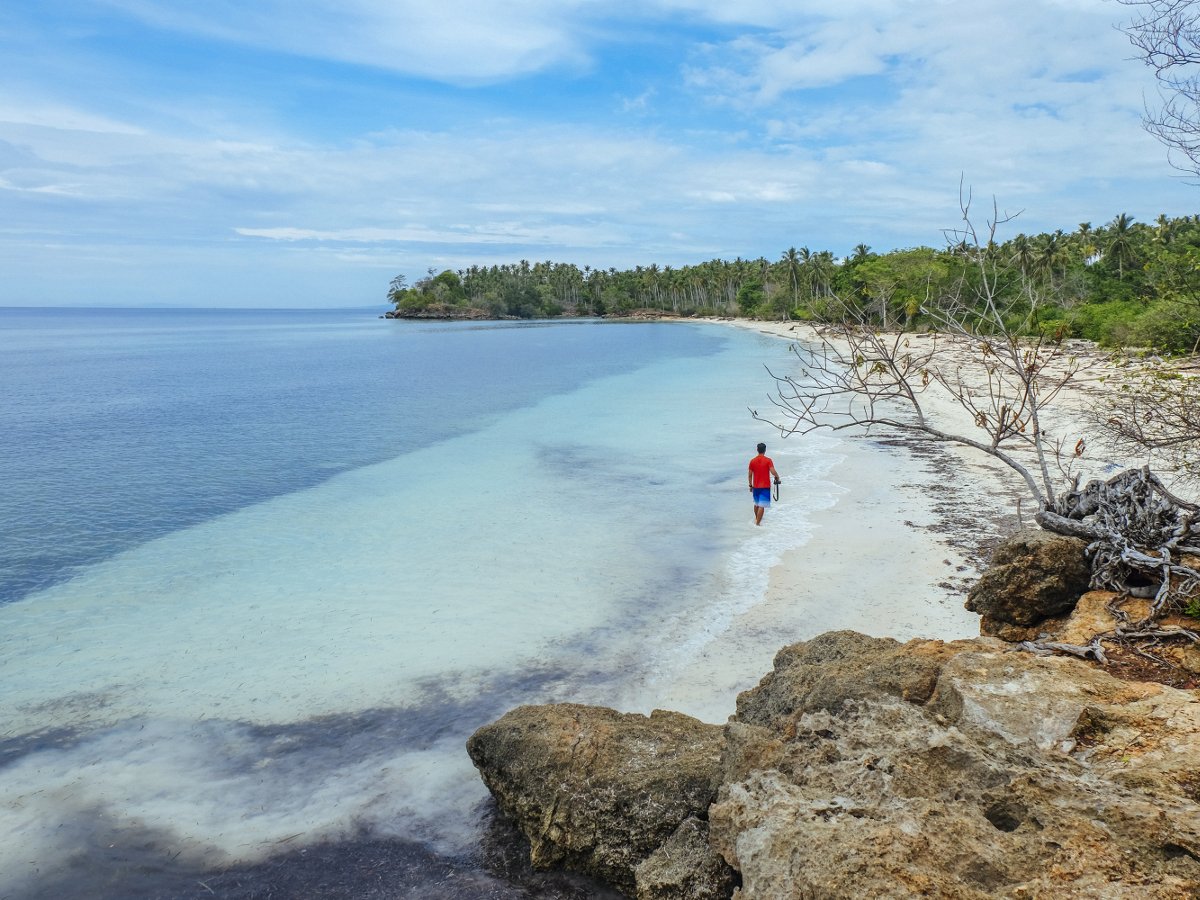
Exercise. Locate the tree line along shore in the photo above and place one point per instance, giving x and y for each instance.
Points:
(1123, 283)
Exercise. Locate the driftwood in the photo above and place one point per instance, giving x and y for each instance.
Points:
(1044, 647)
(1138, 532)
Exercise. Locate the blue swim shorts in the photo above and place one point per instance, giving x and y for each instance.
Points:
(762, 497)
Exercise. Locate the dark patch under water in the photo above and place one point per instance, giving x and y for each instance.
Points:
(364, 868)
(114, 858)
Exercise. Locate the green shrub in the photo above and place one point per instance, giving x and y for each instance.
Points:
(412, 299)
(1166, 326)
(1109, 324)
(752, 299)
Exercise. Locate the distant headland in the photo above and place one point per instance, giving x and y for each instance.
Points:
(447, 311)
(1124, 283)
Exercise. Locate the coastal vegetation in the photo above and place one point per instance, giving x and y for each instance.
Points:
(1124, 283)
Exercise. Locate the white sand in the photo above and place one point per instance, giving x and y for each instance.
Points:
(911, 529)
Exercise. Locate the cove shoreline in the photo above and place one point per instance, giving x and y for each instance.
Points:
(912, 528)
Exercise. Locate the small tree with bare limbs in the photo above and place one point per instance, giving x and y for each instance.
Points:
(1166, 34)
(1152, 411)
(871, 377)
(862, 378)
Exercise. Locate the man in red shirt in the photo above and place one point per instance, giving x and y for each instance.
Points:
(761, 472)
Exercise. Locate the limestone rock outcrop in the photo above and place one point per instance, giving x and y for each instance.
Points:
(862, 767)
(603, 792)
(1019, 776)
(1034, 575)
(843, 665)
(685, 867)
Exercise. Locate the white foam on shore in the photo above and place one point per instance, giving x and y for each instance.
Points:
(213, 794)
(742, 582)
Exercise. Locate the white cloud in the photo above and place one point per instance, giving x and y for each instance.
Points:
(639, 103)
(992, 46)
(66, 190)
(559, 234)
(63, 118)
(458, 41)
(817, 125)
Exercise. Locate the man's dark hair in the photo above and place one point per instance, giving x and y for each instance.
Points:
(762, 448)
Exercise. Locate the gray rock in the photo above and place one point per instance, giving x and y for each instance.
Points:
(685, 868)
(861, 767)
(595, 790)
(842, 665)
(1033, 575)
(1020, 777)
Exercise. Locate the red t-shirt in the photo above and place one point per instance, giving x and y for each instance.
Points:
(761, 467)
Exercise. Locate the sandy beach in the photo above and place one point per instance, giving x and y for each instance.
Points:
(912, 528)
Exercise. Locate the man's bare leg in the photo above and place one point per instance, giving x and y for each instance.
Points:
(758, 514)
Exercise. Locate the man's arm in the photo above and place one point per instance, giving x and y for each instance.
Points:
(774, 474)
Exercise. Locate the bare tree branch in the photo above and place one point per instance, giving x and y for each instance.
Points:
(1153, 412)
(861, 378)
(874, 378)
(1166, 34)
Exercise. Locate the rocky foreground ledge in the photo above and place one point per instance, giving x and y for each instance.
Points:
(865, 768)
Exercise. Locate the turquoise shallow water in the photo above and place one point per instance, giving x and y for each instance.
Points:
(120, 425)
(388, 535)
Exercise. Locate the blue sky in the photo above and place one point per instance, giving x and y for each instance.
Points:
(302, 153)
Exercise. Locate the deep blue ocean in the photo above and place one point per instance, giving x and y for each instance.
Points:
(263, 572)
(120, 425)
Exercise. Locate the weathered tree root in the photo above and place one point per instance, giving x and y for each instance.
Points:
(1137, 532)
(1049, 648)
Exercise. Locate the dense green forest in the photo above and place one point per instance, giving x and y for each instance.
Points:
(1123, 283)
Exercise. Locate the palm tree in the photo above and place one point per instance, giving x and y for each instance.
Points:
(1048, 253)
(1118, 242)
(764, 275)
(861, 252)
(596, 283)
(1164, 231)
(1023, 254)
(1086, 241)
(822, 271)
(793, 268)
(653, 280)
(806, 259)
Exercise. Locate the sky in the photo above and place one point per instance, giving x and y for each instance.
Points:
(262, 153)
